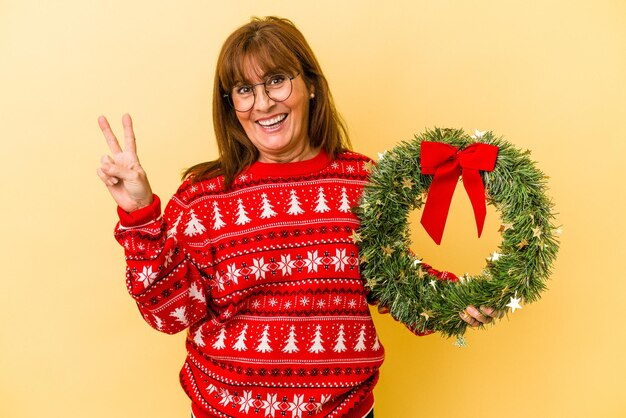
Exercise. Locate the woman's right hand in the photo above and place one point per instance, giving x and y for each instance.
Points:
(121, 172)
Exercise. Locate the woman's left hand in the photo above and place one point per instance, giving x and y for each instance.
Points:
(476, 317)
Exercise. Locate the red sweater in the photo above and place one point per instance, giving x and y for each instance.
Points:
(265, 278)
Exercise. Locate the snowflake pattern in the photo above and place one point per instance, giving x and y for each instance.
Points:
(311, 263)
(271, 406)
(147, 276)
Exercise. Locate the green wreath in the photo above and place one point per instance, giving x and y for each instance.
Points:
(415, 293)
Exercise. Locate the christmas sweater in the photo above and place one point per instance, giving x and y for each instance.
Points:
(265, 279)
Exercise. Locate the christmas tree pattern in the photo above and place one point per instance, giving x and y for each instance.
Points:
(321, 202)
(264, 346)
(376, 345)
(217, 217)
(196, 293)
(360, 343)
(180, 314)
(294, 204)
(219, 341)
(339, 342)
(242, 215)
(158, 322)
(172, 231)
(194, 226)
(291, 346)
(317, 346)
(197, 337)
(345, 204)
(240, 344)
(266, 207)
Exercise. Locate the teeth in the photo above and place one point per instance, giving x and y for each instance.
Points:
(272, 121)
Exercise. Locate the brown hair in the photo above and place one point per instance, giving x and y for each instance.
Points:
(274, 44)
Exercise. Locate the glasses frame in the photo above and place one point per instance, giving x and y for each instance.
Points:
(229, 98)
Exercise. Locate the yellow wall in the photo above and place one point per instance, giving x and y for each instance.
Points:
(548, 75)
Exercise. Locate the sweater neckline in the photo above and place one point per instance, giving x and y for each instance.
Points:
(263, 169)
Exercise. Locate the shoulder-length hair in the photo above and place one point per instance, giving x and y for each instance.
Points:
(273, 44)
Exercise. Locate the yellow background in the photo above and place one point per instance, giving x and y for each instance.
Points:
(548, 75)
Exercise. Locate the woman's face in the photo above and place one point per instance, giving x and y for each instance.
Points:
(279, 130)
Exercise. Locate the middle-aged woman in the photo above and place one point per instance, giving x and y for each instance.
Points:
(253, 254)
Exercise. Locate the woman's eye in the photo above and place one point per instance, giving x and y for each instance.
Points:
(243, 90)
(276, 80)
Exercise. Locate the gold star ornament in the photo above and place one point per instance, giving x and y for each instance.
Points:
(356, 237)
(387, 250)
(407, 183)
(426, 314)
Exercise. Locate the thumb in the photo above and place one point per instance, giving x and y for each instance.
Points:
(114, 170)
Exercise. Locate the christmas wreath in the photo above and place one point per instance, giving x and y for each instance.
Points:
(424, 172)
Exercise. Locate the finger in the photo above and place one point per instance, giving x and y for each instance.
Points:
(105, 159)
(129, 134)
(468, 318)
(487, 311)
(478, 315)
(107, 180)
(491, 312)
(114, 146)
(113, 170)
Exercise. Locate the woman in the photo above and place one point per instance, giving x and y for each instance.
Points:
(253, 254)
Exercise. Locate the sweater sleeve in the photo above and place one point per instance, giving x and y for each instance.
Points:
(169, 289)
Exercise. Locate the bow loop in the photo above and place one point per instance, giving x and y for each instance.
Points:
(434, 154)
(447, 163)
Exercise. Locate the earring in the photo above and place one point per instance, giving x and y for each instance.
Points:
(312, 95)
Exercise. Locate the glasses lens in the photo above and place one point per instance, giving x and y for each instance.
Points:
(278, 87)
(242, 98)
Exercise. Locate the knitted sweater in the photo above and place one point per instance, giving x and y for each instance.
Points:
(265, 278)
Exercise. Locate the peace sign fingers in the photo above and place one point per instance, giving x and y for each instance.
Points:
(114, 146)
(121, 172)
(129, 134)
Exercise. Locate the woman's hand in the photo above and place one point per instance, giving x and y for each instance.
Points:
(121, 172)
(476, 317)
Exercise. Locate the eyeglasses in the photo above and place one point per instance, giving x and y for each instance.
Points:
(278, 88)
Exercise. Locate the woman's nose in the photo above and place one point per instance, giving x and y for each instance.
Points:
(262, 99)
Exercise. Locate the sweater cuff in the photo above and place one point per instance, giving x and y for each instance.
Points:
(140, 216)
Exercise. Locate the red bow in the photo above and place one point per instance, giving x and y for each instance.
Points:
(447, 163)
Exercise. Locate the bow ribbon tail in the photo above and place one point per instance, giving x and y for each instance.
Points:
(476, 192)
(439, 197)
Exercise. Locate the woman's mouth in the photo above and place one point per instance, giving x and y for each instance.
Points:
(273, 123)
